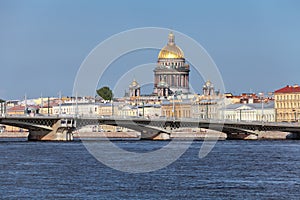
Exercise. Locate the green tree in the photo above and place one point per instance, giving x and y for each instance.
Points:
(1, 101)
(105, 92)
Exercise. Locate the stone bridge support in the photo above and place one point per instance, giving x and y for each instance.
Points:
(157, 135)
(61, 131)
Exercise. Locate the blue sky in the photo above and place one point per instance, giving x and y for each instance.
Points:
(255, 44)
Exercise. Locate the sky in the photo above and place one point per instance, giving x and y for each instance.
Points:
(255, 44)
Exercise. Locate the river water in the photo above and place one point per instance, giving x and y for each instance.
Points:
(233, 170)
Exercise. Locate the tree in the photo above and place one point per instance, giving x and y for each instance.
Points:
(105, 92)
(1, 101)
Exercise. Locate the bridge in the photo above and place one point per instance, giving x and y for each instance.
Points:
(60, 128)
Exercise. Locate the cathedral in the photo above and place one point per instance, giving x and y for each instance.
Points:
(171, 74)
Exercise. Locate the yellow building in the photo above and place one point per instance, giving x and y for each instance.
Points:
(16, 110)
(287, 104)
(106, 109)
(176, 108)
(45, 110)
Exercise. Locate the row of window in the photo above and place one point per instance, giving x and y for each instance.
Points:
(287, 116)
(178, 113)
(288, 105)
(257, 117)
(172, 64)
(287, 97)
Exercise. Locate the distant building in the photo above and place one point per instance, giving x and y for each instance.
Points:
(208, 89)
(287, 103)
(134, 89)
(209, 104)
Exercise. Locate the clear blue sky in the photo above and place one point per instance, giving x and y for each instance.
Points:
(255, 44)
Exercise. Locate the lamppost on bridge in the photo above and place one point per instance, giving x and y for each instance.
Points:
(173, 107)
(48, 106)
(143, 103)
(240, 114)
(112, 107)
(261, 94)
(206, 114)
(170, 92)
(295, 114)
(60, 101)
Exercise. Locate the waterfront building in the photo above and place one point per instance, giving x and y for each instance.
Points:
(12, 103)
(78, 107)
(176, 108)
(128, 111)
(47, 108)
(23, 110)
(149, 110)
(250, 112)
(3, 107)
(172, 72)
(207, 109)
(105, 109)
(16, 110)
(287, 103)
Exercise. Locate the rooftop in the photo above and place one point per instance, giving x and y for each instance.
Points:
(288, 89)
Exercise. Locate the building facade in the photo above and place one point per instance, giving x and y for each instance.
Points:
(82, 108)
(250, 112)
(176, 108)
(287, 104)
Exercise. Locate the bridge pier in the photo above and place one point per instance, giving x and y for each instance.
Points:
(41, 135)
(60, 132)
(148, 135)
(241, 136)
(162, 136)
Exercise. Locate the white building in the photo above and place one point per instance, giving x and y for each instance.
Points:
(142, 110)
(82, 108)
(250, 112)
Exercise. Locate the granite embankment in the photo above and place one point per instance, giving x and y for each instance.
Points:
(199, 135)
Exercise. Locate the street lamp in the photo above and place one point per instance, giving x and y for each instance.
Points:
(240, 114)
(173, 108)
(294, 110)
(143, 109)
(261, 94)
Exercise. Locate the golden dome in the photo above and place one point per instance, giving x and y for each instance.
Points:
(171, 50)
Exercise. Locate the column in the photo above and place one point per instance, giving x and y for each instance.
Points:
(187, 81)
